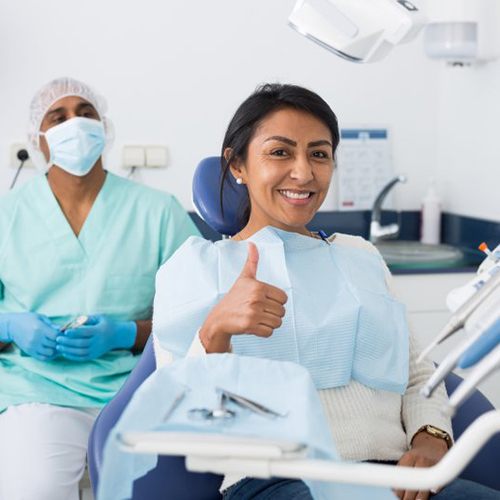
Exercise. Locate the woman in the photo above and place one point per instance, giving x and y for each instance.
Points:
(76, 241)
(293, 295)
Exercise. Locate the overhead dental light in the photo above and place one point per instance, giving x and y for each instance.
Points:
(458, 31)
(357, 30)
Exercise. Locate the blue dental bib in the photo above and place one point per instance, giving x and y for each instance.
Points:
(341, 322)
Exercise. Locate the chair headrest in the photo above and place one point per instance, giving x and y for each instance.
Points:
(206, 197)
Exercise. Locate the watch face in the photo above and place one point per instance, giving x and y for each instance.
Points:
(436, 431)
(439, 433)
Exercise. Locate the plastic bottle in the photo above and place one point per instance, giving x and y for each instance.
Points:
(431, 216)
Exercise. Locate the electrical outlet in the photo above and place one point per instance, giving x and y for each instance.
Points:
(14, 161)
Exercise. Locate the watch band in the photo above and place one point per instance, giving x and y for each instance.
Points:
(436, 432)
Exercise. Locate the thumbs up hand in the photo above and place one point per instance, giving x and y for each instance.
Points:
(250, 307)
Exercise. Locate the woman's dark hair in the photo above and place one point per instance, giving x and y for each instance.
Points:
(266, 99)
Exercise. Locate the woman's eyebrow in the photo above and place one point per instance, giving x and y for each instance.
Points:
(286, 140)
(280, 138)
(322, 142)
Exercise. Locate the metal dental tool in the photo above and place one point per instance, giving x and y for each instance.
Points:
(219, 413)
(457, 321)
(478, 323)
(74, 323)
(250, 405)
(489, 364)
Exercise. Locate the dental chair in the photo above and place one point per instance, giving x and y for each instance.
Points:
(170, 479)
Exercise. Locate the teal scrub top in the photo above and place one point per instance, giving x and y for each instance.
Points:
(109, 269)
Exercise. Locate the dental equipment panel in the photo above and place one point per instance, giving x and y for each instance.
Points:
(464, 301)
(477, 314)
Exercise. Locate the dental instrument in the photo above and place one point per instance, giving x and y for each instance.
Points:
(250, 405)
(74, 323)
(492, 259)
(457, 321)
(484, 248)
(482, 347)
(489, 364)
(219, 413)
(477, 325)
(222, 412)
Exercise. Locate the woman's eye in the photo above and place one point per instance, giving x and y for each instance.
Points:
(58, 119)
(321, 155)
(279, 152)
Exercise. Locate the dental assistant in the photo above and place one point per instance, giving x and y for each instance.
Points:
(75, 241)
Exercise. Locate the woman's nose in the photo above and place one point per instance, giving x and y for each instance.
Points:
(302, 170)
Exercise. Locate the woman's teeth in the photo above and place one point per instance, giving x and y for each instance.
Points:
(295, 195)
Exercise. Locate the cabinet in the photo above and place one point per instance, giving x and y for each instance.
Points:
(425, 298)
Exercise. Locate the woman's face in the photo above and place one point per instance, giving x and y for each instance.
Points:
(288, 170)
(62, 110)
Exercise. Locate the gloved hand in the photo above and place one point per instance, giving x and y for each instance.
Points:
(483, 346)
(99, 335)
(33, 333)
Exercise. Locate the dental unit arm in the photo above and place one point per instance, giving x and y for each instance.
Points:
(477, 314)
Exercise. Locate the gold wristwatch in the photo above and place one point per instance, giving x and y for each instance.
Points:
(436, 432)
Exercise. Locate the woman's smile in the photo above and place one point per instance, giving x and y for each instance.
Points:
(297, 197)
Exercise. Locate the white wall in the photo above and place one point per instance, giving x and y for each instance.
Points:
(174, 71)
(468, 140)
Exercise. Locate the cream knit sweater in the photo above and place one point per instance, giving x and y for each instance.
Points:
(368, 424)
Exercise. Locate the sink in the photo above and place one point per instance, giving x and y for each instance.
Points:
(416, 255)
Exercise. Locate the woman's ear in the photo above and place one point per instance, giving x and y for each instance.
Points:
(237, 168)
(228, 153)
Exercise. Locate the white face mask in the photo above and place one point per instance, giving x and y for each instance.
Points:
(76, 144)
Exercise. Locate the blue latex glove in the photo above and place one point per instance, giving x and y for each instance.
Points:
(33, 333)
(99, 335)
(485, 344)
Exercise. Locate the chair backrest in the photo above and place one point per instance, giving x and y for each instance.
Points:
(206, 197)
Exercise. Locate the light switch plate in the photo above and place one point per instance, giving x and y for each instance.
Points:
(133, 156)
(156, 156)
